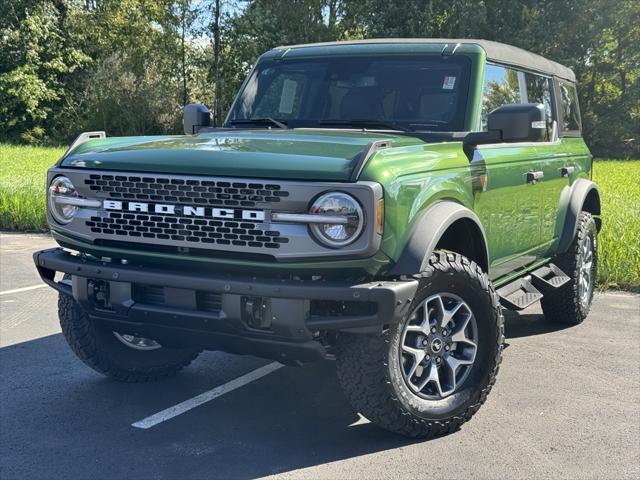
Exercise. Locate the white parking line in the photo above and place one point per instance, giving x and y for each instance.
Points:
(205, 397)
(23, 289)
(617, 294)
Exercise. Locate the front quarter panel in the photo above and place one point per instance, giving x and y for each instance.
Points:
(413, 178)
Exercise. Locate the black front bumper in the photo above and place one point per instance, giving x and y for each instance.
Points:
(219, 312)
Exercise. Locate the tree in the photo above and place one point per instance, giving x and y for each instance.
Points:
(153, 56)
(36, 62)
(265, 24)
(598, 39)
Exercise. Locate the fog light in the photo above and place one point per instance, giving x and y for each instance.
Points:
(256, 312)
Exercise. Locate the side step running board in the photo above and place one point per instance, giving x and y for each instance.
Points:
(525, 291)
(548, 278)
(519, 294)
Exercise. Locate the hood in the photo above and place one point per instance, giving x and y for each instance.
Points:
(301, 154)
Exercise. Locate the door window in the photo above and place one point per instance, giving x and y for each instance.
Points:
(501, 86)
(539, 91)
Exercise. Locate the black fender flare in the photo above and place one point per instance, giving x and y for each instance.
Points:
(582, 190)
(427, 231)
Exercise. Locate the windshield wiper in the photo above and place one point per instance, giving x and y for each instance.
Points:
(259, 121)
(364, 124)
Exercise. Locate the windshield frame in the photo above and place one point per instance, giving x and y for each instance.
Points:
(467, 64)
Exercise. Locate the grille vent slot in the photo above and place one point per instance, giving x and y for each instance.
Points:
(192, 192)
(186, 229)
(149, 294)
(209, 301)
(155, 295)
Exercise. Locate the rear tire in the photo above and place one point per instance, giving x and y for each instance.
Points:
(101, 350)
(377, 375)
(571, 303)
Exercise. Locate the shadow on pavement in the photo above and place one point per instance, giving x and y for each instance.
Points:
(60, 419)
(526, 325)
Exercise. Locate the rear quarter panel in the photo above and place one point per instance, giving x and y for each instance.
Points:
(569, 151)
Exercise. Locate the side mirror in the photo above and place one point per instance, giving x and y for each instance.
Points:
(195, 116)
(518, 122)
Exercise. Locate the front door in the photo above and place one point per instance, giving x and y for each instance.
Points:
(520, 199)
(507, 201)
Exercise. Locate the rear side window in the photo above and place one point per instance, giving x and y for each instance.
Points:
(569, 105)
(539, 91)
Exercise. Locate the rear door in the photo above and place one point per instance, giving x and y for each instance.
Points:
(568, 156)
(554, 161)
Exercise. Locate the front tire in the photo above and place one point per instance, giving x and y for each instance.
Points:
(570, 304)
(123, 357)
(455, 308)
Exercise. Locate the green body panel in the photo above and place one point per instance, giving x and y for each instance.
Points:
(522, 221)
(474, 103)
(301, 154)
(567, 152)
(413, 178)
(407, 47)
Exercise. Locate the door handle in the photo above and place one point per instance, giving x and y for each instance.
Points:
(533, 177)
(567, 171)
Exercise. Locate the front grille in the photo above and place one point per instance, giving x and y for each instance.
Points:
(186, 229)
(177, 228)
(228, 218)
(189, 191)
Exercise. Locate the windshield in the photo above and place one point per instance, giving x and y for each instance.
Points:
(382, 92)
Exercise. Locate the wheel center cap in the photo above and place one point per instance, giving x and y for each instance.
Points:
(436, 345)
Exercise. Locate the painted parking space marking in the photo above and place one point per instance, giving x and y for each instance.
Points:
(23, 289)
(618, 294)
(205, 397)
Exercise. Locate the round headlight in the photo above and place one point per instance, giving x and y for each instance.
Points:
(60, 189)
(348, 216)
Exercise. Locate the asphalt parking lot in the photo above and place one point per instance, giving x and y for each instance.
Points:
(566, 405)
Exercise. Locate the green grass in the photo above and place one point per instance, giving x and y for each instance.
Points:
(22, 206)
(22, 186)
(619, 183)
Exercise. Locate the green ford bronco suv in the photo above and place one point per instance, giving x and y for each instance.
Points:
(377, 202)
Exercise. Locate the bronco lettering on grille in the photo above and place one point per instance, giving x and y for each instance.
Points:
(230, 213)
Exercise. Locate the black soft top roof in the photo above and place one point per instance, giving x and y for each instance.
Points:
(495, 51)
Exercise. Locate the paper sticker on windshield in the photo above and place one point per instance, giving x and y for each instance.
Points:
(288, 96)
(449, 83)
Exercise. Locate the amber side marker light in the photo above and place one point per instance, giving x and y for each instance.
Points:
(379, 216)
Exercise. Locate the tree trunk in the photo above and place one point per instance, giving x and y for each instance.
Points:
(333, 15)
(185, 94)
(217, 102)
